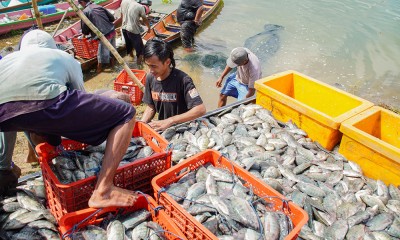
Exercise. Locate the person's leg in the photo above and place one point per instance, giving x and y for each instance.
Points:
(35, 139)
(105, 193)
(222, 100)
(8, 176)
(111, 57)
(188, 29)
(100, 58)
(7, 144)
(103, 56)
(139, 47)
(229, 89)
(128, 43)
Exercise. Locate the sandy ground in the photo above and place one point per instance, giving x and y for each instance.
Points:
(93, 81)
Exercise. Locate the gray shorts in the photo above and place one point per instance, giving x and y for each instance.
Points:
(103, 54)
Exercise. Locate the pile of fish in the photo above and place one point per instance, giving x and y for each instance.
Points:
(135, 225)
(219, 200)
(340, 201)
(72, 166)
(23, 216)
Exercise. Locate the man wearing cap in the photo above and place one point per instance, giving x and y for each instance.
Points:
(48, 98)
(239, 84)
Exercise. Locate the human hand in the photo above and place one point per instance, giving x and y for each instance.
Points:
(219, 82)
(148, 30)
(161, 124)
(198, 22)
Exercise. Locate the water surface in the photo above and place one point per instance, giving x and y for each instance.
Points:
(350, 44)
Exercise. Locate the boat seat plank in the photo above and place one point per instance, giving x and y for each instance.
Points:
(162, 35)
(208, 3)
(172, 27)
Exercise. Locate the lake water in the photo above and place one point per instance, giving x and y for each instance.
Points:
(351, 44)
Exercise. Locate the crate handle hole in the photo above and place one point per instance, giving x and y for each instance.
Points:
(154, 140)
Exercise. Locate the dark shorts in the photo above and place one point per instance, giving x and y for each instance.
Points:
(133, 41)
(188, 29)
(79, 116)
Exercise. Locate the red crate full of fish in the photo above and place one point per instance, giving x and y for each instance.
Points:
(80, 219)
(191, 227)
(124, 83)
(84, 47)
(66, 198)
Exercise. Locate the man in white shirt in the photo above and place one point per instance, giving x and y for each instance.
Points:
(132, 12)
(239, 84)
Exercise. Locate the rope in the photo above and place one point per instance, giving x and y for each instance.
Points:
(285, 203)
(255, 212)
(183, 198)
(71, 231)
(169, 147)
(164, 231)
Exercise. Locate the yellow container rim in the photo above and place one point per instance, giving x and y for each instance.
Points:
(368, 140)
(307, 110)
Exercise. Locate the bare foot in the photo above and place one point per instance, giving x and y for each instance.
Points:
(115, 196)
(32, 159)
(99, 68)
(189, 49)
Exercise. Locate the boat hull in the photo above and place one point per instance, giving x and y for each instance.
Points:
(31, 20)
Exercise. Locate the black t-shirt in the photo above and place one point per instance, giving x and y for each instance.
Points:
(187, 10)
(173, 96)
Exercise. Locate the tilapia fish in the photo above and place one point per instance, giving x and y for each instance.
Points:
(135, 225)
(23, 215)
(340, 201)
(73, 166)
(219, 200)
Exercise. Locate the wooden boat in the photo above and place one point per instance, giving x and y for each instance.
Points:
(23, 4)
(23, 19)
(63, 38)
(168, 29)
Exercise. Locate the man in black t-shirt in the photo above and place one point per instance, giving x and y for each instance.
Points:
(169, 91)
(189, 14)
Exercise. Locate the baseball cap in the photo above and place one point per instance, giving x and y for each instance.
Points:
(238, 57)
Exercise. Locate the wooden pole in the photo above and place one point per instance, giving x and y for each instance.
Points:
(106, 43)
(59, 24)
(37, 14)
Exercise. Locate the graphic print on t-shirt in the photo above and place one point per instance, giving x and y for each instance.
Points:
(193, 93)
(163, 96)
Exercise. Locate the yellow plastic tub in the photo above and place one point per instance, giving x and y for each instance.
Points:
(372, 139)
(314, 106)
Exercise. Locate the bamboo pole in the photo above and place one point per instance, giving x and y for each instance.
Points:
(59, 24)
(106, 43)
(37, 14)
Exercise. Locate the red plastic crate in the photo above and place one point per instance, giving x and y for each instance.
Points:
(123, 83)
(66, 198)
(68, 221)
(85, 48)
(188, 224)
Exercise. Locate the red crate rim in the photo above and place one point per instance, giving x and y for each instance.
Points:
(94, 216)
